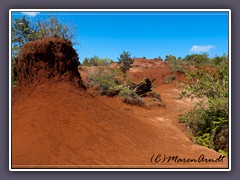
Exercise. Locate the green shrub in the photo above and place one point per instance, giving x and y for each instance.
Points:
(208, 120)
(125, 61)
(218, 60)
(170, 58)
(110, 82)
(208, 83)
(13, 71)
(153, 94)
(130, 97)
(96, 61)
(168, 79)
(198, 59)
(177, 67)
(209, 124)
(181, 119)
(104, 79)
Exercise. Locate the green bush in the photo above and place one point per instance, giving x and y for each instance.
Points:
(208, 120)
(209, 124)
(218, 60)
(125, 61)
(170, 58)
(208, 83)
(130, 97)
(177, 67)
(104, 79)
(111, 82)
(24, 31)
(96, 61)
(168, 79)
(198, 59)
(13, 71)
(153, 94)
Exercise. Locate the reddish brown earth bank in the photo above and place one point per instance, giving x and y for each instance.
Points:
(56, 123)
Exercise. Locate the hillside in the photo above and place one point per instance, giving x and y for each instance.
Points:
(58, 123)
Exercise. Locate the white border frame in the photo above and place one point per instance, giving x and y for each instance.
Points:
(116, 10)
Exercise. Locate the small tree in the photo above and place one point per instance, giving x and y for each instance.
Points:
(104, 61)
(170, 58)
(22, 33)
(220, 59)
(85, 62)
(94, 61)
(198, 59)
(125, 61)
(53, 27)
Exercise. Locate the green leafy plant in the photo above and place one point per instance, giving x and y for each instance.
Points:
(22, 33)
(153, 94)
(105, 81)
(125, 61)
(198, 59)
(181, 119)
(54, 27)
(110, 82)
(130, 97)
(177, 67)
(208, 120)
(170, 58)
(96, 61)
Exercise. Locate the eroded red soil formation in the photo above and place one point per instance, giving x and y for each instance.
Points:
(154, 69)
(47, 59)
(57, 124)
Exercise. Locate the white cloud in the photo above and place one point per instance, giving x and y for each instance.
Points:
(198, 49)
(30, 13)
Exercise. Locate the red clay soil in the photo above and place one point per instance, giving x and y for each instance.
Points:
(47, 59)
(154, 69)
(59, 125)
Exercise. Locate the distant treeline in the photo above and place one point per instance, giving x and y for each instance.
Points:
(96, 61)
(193, 59)
(198, 59)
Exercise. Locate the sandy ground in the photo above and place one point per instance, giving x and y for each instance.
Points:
(57, 125)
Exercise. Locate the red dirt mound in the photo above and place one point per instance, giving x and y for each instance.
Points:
(46, 59)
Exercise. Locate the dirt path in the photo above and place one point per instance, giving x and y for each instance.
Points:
(173, 138)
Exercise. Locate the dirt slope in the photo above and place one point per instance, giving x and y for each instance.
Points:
(154, 69)
(59, 125)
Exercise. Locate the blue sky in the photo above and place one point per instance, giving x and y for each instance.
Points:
(144, 34)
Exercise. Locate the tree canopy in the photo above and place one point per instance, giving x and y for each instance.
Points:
(125, 60)
(24, 31)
